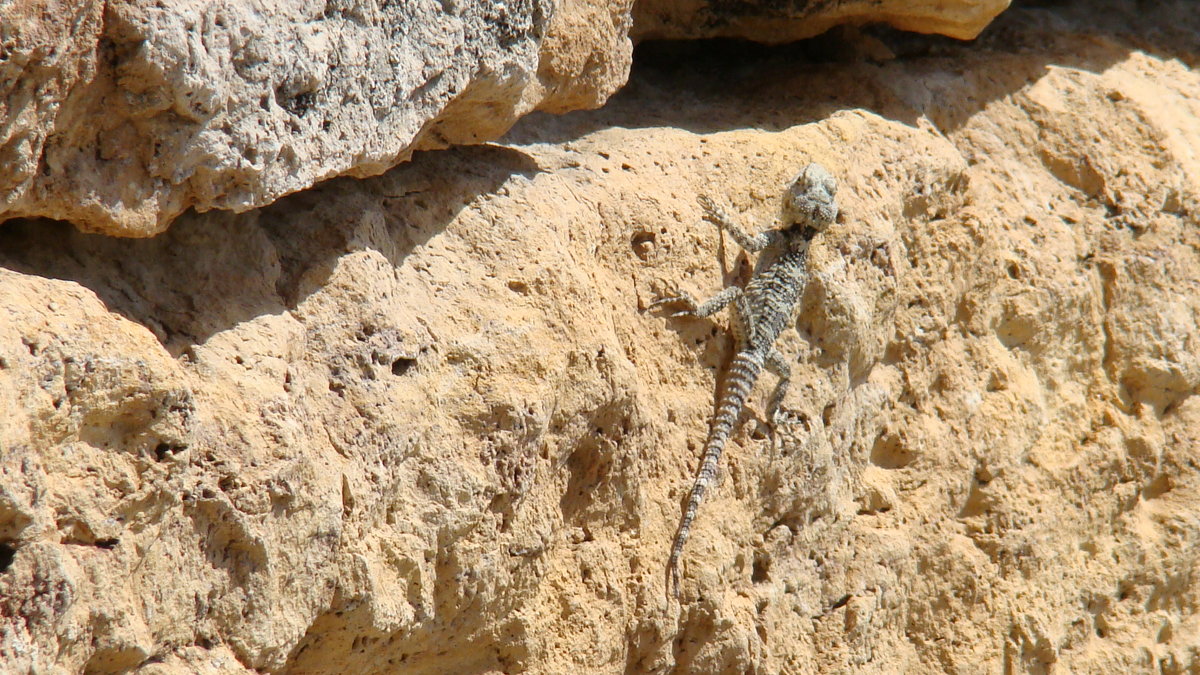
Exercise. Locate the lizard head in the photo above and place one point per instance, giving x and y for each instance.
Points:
(811, 201)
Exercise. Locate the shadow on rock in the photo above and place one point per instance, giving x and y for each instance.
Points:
(709, 86)
(213, 270)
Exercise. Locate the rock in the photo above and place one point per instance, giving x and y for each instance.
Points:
(772, 21)
(120, 116)
(118, 123)
(423, 422)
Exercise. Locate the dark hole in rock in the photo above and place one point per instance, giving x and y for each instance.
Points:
(758, 573)
(7, 554)
(164, 450)
(643, 244)
(402, 365)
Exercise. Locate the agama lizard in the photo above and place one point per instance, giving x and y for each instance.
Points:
(762, 310)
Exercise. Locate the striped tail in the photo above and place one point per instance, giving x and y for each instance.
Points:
(743, 372)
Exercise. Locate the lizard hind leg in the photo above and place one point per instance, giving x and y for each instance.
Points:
(776, 417)
(777, 363)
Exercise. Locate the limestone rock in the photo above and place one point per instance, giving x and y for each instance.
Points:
(423, 422)
(120, 116)
(773, 21)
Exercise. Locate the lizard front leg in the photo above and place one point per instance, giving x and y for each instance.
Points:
(712, 306)
(715, 214)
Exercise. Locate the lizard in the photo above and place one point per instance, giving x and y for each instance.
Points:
(761, 311)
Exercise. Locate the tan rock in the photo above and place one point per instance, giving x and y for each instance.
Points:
(120, 125)
(120, 116)
(773, 21)
(422, 422)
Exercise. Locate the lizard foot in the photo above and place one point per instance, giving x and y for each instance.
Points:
(713, 212)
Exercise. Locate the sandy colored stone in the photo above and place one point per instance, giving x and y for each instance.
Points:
(120, 116)
(586, 55)
(423, 422)
(773, 21)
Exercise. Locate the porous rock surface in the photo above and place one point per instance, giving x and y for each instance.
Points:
(118, 116)
(423, 422)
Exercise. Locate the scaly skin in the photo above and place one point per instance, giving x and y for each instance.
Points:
(762, 310)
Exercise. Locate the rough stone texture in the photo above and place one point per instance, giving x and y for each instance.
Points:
(119, 116)
(775, 21)
(421, 423)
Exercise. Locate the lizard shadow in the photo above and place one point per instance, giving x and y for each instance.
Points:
(707, 86)
(211, 271)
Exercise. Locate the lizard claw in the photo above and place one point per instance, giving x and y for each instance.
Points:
(690, 310)
(783, 418)
(779, 420)
(711, 210)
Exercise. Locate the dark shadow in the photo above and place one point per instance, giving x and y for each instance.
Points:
(213, 270)
(707, 86)
(8, 553)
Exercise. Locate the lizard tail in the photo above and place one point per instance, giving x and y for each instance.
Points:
(743, 372)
